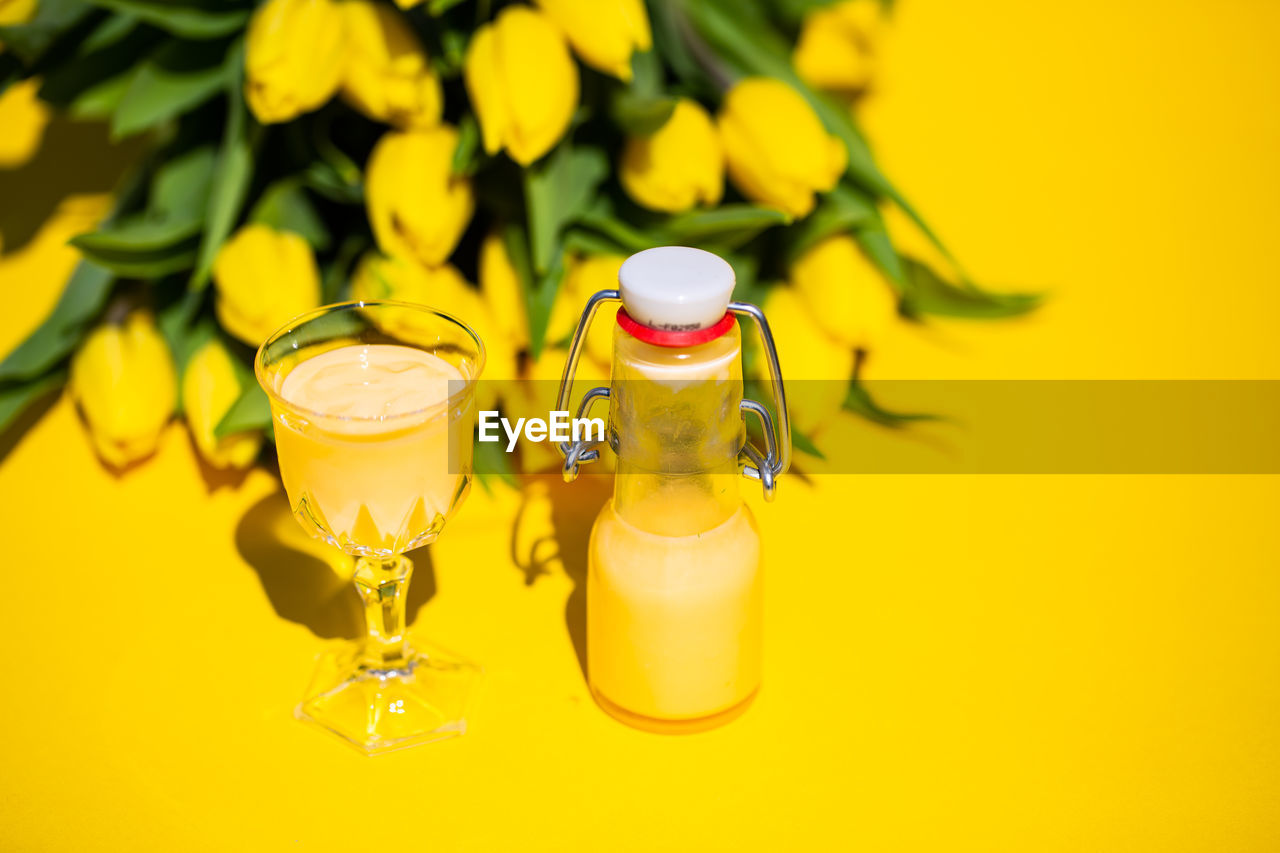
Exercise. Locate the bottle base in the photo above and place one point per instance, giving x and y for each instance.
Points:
(661, 726)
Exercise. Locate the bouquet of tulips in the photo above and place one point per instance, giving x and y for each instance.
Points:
(497, 160)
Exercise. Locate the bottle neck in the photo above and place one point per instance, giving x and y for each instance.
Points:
(677, 431)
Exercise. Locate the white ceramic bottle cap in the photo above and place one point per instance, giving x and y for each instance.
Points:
(676, 288)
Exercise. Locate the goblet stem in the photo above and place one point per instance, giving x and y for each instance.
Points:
(383, 584)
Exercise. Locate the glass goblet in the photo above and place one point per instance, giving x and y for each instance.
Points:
(375, 464)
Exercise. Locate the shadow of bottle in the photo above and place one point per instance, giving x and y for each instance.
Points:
(573, 509)
(307, 581)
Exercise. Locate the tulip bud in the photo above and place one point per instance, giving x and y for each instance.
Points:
(538, 396)
(23, 117)
(417, 207)
(522, 83)
(587, 276)
(294, 57)
(210, 385)
(500, 287)
(777, 151)
(14, 12)
(836, 47)
(443, 288)
(123, 379)
(844, 291)
(264, 278)
(678, 166)
(387, 76)
(818, 368)
(603, 32)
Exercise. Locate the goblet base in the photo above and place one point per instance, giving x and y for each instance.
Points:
(379, 710)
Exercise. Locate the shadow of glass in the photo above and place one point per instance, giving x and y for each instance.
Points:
(572, 510)
(307, 581)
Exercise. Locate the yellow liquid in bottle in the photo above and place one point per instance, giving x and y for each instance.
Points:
(675, 581)
(674, 622)
(377, 465)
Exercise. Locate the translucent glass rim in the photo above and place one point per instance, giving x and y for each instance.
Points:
(260, 367)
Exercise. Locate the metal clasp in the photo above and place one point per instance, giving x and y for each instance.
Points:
(765, 466)
(776, 459)
(581, 451)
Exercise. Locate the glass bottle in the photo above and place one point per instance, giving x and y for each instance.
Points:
(675, 581)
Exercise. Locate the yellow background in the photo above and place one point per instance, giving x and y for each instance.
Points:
(953, 663)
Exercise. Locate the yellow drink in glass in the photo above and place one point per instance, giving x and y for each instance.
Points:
(373, 406)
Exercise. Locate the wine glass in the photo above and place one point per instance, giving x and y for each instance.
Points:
(377, 473)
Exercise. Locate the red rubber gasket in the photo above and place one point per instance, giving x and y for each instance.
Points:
(668, 338)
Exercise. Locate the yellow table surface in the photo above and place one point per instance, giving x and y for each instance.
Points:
(953, 662)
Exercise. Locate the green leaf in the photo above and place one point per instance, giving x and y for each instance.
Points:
(84, 296)
(328, 181)
(99, 86)
(928, 293)
(874, 240)
(186, 20)
(137, 235)
(235, 170)
(844, 209)
(804, 444)
(557, 190)
(14, 399)
(859, 401)
(491, 460)
(640, 115)
(467, 155)
(730, 226)
(285, 206)
(337, 270)
(180, 189)
(142, 248)
(175, 79)
(600, 217)
(587, 242)
(101, 100)
(250, 411)
(53, 19)
(82, 77)
(439, 7)
(539, 292)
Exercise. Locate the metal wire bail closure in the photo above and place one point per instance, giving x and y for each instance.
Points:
(776, 458)
(581, 452)
(765, 466)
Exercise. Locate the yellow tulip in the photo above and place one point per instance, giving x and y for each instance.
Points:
(264, 278)
(123, 379)
(443, 288)
(23, 117)
(408, 4)
(585, 277)
(14, 12)
(295, 54)
(500, 287)
(777, 151)
(387, 75)
(836, 47)
(844, 291)
(817, 368)
(603, 32)
(678, 166)
(210, 385)
(418, 208)
(537, 398)
(522, 83)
